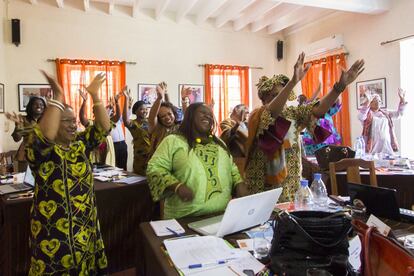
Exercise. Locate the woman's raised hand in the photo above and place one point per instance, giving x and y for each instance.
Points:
(401, 94)
(56, 88)
(299, 70)
(83, 94)
(96, 84)
(349, 76)
(16, 118)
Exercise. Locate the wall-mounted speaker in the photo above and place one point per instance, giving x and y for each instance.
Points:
(279, 50)
(15, 27)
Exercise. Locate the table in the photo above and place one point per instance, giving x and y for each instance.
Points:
(402, 182)
(121, 208)
(157, 263)
(155, 260)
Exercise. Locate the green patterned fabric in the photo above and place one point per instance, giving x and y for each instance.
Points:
(65, 237)
(208, 170)
(141, 141)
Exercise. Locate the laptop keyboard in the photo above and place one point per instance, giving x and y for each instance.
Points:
(212, 228)
(20, 186)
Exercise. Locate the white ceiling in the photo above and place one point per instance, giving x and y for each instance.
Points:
(250, 15)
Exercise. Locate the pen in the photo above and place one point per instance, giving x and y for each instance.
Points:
(175, 233)
(219, 262)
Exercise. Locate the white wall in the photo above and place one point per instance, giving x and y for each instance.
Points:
(162, 49)
(362, 35)
(2, 69)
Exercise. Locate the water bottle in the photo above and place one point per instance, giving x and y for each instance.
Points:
(358, 147)
(318, 188)
(303, 197)
(362, 147)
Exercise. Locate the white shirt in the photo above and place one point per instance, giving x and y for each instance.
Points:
(117, 133)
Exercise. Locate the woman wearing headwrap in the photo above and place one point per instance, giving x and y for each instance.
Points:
(273, 145)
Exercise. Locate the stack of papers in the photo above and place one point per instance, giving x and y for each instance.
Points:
(109, 175)
(209, 255)
(130, 179)
(167, 227)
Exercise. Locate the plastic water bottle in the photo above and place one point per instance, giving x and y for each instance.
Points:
(318, 188)
(303, 197)
(359, 147)
(363, 147)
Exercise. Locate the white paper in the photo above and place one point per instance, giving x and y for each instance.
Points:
(205, 250)
(354, 250)
(160, 227)
(130, 179)
(247, 262)
(377, 223)
(246, 244)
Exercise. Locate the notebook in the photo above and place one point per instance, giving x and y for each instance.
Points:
(28, 183)
(379, 201)
(241, 213)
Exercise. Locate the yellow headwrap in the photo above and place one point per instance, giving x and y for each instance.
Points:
(266, 85)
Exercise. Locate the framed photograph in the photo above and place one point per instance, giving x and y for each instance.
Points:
(147, 93)
(1, 98)
(372, 87)
(28, 90)
(194, 95)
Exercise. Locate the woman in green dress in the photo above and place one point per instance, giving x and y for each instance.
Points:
(65, 236)
(192, 170)
(139, 131)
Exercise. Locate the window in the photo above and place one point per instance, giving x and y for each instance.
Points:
(228, 86)
(407, 83)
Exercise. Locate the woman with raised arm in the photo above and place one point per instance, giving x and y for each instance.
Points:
(162, 118)
(139, 132)
(273, 145)
(192, 170)
(65, 237)
(34, 111)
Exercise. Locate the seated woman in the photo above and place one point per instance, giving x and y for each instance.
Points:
(192, 170)
(163, 117)
(273, 145)
(65, 237)
(34, 111)
(139, 131)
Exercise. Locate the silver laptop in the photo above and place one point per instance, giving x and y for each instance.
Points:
(28, 184)
(241, 213)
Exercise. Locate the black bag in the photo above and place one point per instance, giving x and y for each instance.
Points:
(332, 153)
(306, 240)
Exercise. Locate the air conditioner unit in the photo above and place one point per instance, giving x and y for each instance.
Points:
(326, 45)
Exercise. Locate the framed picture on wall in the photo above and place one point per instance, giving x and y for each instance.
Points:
(371, 88)
(1, 98)
(28, 90)
(147, 93)
(194, 94)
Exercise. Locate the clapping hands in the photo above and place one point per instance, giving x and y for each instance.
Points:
(16, 118)
(96, 84)
(299, 69)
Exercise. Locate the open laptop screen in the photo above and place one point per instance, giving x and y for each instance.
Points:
(381, 202)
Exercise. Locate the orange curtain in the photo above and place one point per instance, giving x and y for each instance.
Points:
(75, 74)
(219, 84)
(328, 71)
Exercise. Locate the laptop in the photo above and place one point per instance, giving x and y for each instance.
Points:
(241, 213)
(379, 201)
(28, 183)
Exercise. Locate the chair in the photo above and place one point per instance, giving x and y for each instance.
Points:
(351, 166)
(7, 162)
(332, 153)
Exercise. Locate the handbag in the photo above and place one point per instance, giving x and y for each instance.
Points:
(382, 255)
(307, 240)
(332, 153)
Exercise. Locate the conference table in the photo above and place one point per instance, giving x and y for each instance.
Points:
(121, 208)
(156, 261)
(402, 181)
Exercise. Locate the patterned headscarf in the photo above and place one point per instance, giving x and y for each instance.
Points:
(266, 85)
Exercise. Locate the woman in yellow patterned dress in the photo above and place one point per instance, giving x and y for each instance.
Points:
(65, 237)
(139, 132)
(274, 157)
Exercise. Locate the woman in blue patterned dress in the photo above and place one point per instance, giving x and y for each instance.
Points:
(65, 237)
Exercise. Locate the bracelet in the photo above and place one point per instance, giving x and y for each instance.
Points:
(56, 105)
(339, 87)
(97, 103)
(177, 187)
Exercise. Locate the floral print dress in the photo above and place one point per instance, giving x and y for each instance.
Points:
(65, 237)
